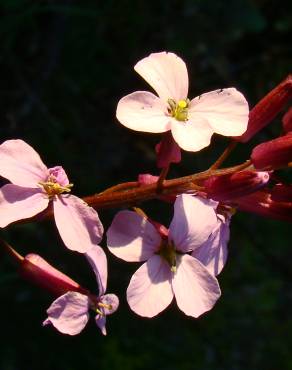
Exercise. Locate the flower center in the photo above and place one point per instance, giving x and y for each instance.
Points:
(178, 110)
(168, 252)
(99, 307)
(52, 187)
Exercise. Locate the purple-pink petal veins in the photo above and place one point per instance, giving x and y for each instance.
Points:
(132, 237)
(101, 322)
(166, 73)
(58, 174)
(78, 224)
(110, 303)
(150, 290)
(193, 221)
(143, 111)
(227, 187)
(213, 253)
(21, 164)
(287, 121)
(98, 262)
(195, 289)
(69, 313)
(17, 203)
(225, 110)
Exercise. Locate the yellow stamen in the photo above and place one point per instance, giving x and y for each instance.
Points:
(53, 188)
(178, 110)
(182, 104)
(104, 305)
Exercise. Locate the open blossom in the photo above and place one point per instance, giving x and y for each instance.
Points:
(33, 186)
(192, 122)
(169, 269)
(69, 313)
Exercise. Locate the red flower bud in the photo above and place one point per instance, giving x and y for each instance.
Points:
(262, 204)
(35, 269)
(273, 154)
(281, 193)
(287, 121)
(167, 151)
(227, 187)
(267, 109)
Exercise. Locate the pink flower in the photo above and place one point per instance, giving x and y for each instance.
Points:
(192, 122)
(33, 186)
(69, 313)
(169, 269)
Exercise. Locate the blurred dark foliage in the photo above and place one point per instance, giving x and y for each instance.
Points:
(63, 67)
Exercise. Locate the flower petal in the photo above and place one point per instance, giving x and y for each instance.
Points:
(111, 300)
(195, 289)
(166, 73)
(98, 262)
(78, 224)
(213, 253)
(193, 221)
(225, 110)
(192, 135)
(21, 164)
(150, 291)
(69, 313)
(101, 322)
(17, 203)
(143, 111)
(131, 237)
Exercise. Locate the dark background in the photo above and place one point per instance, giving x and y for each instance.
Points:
(63, 66)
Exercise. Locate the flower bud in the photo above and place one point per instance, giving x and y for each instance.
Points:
(227, 187)
(267, 109)
(35, 269)
(273, 154)
(262, 204)
(281, 193)
(167, 151)
(287, 121)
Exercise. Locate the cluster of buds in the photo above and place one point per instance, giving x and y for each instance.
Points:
(184, 260)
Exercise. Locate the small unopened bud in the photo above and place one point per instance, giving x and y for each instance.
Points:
(273, 154)
(167, 151)
(227, 187)
(287, 121)
(267, 109)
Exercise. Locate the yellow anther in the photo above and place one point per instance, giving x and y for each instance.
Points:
(173, 269)
(104, 305)
(182, 104)
(53, 188)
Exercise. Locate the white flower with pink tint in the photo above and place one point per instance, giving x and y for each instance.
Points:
(192, 122)
(69, 313)
(169, 269)
(33, 186)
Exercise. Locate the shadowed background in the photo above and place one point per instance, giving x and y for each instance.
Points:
(63, 66)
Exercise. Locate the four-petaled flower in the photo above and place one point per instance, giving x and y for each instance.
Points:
(169, 269)
(33, 186)
(192, 122)
(69, 313)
